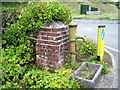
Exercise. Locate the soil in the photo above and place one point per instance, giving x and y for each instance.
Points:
(108, 60)
(83, 56)
(88, 73)
(80, 60)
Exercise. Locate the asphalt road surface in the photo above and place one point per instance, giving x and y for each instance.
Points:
(89, 28)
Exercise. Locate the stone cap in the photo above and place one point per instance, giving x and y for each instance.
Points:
(72, 24)
(55, 25)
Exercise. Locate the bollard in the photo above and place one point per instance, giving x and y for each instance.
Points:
(72, 33)
(101, 38)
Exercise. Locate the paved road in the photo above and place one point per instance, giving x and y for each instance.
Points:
(89, 28)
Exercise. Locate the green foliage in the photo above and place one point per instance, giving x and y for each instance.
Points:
(59, 13)
(68, 65)
(32, 17)
(18, 51)
(88, 47)
(64, 72)
(93, 59)
(9, 85)
(40, 79)
(10, 6)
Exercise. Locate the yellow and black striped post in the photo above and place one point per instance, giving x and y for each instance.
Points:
(101, 39)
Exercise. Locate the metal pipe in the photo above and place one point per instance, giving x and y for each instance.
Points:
(81, 37)
(72, 32)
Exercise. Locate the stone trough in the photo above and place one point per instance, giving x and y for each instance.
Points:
(88, 82)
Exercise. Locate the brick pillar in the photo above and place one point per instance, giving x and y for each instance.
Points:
(52, 41)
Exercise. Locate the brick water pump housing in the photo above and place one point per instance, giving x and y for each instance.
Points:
(52, 45)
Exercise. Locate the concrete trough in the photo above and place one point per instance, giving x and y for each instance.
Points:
(92, 82)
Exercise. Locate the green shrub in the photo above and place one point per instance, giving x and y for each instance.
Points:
(32, 17)
(88, 47)
(44, 79)
(10, 6)
(12, 85)
(59, 13)
(19, 51)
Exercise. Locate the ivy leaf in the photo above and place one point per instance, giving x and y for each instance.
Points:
(3, 41)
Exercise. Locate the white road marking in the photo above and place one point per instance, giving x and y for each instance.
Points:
(112, 48)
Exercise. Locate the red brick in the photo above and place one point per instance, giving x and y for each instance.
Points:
(44, 42)
(37, 45)
(58, 43)
(39, 62)
(47, 29)
(56, 52)
(38, 41)
(54, 63)
(43, 33)
(38, 52)
(44, 38)
(59, 38)
(55, 56)
(56, 59)
(50, 62)
(50, 34)
(54, 30)
(56, 48)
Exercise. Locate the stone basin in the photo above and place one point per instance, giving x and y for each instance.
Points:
(91, 83)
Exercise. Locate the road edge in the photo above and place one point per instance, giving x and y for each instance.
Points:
(114, 69)
(112, 58)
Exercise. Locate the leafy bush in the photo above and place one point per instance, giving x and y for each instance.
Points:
(88, 47)
(10, 6)
(59, 13)
(40, 79)
(19, 51)
(32, 17)
(9, 85)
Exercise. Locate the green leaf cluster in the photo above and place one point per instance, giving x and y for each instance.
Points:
(93, 59)
(40, 79)
(18, 51)
(60, 12)
(88, 47)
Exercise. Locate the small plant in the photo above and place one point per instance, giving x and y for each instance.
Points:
(88, 73)
(44, 79)
(68, 65)
(88, 47)
(93, 59)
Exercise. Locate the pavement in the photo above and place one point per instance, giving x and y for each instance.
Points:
(110, 80)
(89, 28)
